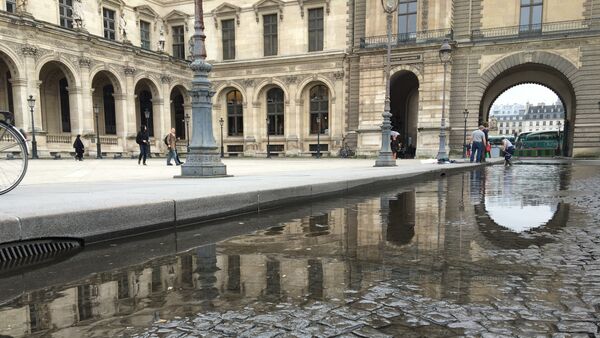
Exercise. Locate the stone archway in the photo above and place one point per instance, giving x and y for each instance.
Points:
(404, 104)
(544, 68)
(146, 93)
(57, 100)
(177, 108)
(106, 86)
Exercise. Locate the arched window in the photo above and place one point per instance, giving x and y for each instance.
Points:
(319, 109)
(235, 114)
(275, 111)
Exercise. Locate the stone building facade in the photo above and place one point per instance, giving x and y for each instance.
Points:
(75, 57)
(497, 44)
(295, 74)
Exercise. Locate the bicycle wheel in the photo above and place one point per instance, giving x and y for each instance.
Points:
(13, 158)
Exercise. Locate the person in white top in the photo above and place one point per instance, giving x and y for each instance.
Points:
(477, 145)
(509, 150)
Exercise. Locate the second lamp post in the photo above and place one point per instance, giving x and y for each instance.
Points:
(31, 103)
(221, 121)
(445, 56)
(98, 145)
(268, 139)
(466, 115)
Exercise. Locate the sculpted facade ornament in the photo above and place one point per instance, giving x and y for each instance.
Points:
(270, 6)
(248, 82)
(166, 79)
(29, 50)
(289, 80)
(128, 70)
(225, 10)
(85, 62)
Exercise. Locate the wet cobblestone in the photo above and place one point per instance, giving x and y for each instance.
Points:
(570, 264)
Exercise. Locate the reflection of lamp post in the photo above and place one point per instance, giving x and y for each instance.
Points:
(147, 116)
(98, 146)
(186, 118)
(268, 139)
(221, 121)
(466, 115)
(385, 158)
(445, 55)
(31, 102)
(559, 140)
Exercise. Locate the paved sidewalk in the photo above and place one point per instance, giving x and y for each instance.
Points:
(96, 198)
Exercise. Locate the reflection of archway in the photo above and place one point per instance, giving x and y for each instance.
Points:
(404, 104)
(537, 73)
(145, 91)
(106, 86)
(178, 111)
(55, 97)
(401, 220)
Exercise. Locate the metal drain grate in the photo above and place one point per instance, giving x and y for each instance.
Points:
(32, 252)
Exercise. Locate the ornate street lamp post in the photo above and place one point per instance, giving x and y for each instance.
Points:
(31, 103)
(147, 116)
(445, 56)
(466, 115)
(385, 158)
(186, 119)
(319, 135)
(268, 139)
(221, 121)
(98, 145)
(203, 158)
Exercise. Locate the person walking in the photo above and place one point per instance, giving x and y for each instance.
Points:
(78, 145)
(395, 146)
(509, 150)
(143, 139)
(477, 144)
(172, 145)
(487, 152)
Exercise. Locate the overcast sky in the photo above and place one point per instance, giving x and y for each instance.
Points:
(524, 93)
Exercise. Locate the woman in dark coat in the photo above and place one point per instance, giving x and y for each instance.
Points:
(394, 145)
(143, 139)
(78, 145)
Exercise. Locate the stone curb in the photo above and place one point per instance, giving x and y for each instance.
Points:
(109, 223)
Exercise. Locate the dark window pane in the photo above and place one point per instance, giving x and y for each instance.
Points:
(108, 17)
(235, 113)
(178, 42)
(145, 34)
(275, 111)
(319, 109)
(65, 8)
(270, 34)
(228, 39)
(315, 29)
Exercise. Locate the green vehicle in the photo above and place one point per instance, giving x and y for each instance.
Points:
(496, 140)
(538, 143)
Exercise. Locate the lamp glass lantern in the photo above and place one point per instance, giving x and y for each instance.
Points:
(31, 102)
(445, 52)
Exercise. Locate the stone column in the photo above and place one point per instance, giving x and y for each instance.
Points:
(20, 96)
(129, 107)
(122, 118)
(85, 113)
(32, 88)
(161, 121)
(75, 111)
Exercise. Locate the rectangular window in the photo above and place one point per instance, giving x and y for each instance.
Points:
(178, 42)
(11, 6)
(531, 16)
(108, 17)
(228, 37)
(65, 9)
(315, 29)
(145, 34)
(407, 20)
(270, 34)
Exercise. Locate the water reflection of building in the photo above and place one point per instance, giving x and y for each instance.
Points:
(422, 236)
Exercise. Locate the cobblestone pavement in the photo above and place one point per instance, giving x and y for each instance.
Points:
(551, 290)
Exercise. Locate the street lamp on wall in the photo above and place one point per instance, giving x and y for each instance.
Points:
(386, 158)
(221, 122)
(268, 139)
(98, 145)
(31, 103)
(445, 56)
(147, 116)
(466, 115)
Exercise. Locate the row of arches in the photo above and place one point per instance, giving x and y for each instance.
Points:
(63, 108)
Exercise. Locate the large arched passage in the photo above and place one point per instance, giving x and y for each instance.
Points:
(404, 104)
(56, 101)
(106, 86)
(177, 105)
(6, 89)
(145, 92)
(539, 74)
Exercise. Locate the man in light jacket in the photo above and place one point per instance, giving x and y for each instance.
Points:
(172, 145)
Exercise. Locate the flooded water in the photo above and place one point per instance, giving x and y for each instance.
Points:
(494, 251)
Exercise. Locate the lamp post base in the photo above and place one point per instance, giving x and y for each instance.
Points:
(203, 165)
(385, 159)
